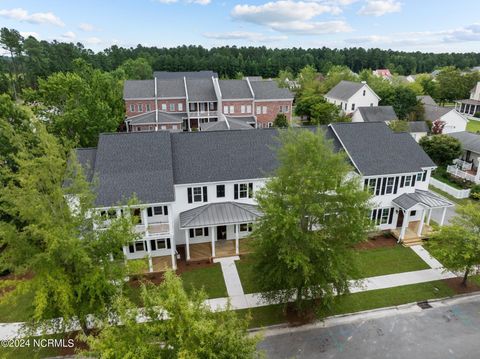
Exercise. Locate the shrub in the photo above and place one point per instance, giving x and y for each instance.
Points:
(475, 192)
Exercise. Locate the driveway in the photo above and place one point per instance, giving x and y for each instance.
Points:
(448, 330)
(437, 215)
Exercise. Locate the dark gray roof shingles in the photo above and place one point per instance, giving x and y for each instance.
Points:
(378, 113)
(168, 75)
(163, 117)
(269, 90)
(235, 89)
(470, 141)
(201, 90)
(344, 90)
(138, 89)
(174, 88)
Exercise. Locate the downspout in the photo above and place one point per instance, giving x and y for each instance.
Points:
(156, 105)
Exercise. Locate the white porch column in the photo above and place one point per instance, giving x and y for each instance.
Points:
(443, 216)
(213, 240)
(404, 225)
(172, 254)
(429, 215)
(422, 221)
(149, 252)
(187, 244)
(143, 214)
(125, 253)
(237, 237)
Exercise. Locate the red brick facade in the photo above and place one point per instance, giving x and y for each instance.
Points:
(237, 107)
(272, 108)
(163, 105)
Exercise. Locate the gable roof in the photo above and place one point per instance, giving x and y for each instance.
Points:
(138, 89)
(151, 117)
(425, 198)
(344, 90)
(434, 113)
(470, 141)
(269, 90)
(427, 100)
(201, 90)
(171, 88)
(378, 113)
(168, 75)
(134, 163)
(417, 126)
(86, 158)
(230, 123)
(235, 89)
(376, 150)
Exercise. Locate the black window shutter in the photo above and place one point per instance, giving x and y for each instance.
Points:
(402, 181)
(153, 244)
(189, 195)
(168, 243)
(250, 190)
(131, 248)
(396, 185)
(235, 191)
(192, 233)
(149, 211)
(379, 184)
(384, 182)
(205, 198)
(205, 231)
(365, 184)
(374, 214)
(391, 215)
(424, 176)
(413, 180)
(165, 210)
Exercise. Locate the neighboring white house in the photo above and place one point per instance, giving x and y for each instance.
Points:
(418, 129)
(196, 189)
(349, 95)
(454, 120)
(466, 166)
(470, 106)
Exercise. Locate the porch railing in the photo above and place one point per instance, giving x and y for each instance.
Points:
(153, 228)
(463, 165)
(454, 170)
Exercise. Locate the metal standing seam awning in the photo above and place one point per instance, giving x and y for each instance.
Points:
(216, 214)
(424, 198)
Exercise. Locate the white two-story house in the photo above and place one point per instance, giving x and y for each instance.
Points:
(196, 190)
(349, 95)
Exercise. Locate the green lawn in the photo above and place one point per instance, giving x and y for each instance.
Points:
(382, 261)
(370, 263)
(473, 126)
(210, 279)
(461, 201)
(441, 175)
(350, 303)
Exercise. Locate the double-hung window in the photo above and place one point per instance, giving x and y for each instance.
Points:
(148, 107)
(197, 194)
(164, 107)
(132, 108)
(220, 191)
(259, 110)
(242, 108)
(225, 110)
(243, 190)
(249, 108)
(390, 182)
(198, 232)
(163, 243)
(408, 181)
(232, 109)
(172, 107)
(140, 107)
(180, 106)
(264, 110)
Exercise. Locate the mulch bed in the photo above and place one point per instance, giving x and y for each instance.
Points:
(456, 285)
(379, 241)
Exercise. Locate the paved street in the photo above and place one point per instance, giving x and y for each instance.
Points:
(450, 329)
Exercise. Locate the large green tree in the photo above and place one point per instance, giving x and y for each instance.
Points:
(314, 212)
(402, 98)
(178, 326)
(48, 230)
(81, 104)
(442, 149)
(457, 245)
(138, 69)
(11, 40)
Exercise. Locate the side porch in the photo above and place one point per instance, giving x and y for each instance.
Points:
(414, 216)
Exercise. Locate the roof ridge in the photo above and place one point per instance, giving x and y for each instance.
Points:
(245, 209)
(200, 212)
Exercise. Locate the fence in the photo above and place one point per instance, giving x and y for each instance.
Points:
(457, 193)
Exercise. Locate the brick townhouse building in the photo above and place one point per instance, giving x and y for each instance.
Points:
(186, 101)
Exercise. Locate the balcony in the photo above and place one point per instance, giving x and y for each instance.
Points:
(467, 174)
(203, 113)
(154, 229)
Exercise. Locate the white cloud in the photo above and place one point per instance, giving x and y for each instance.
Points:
(245, 35)
(93, 41)
(84, 26)
(294, 16)
(380, 7)
(22, 15)
(26, 34)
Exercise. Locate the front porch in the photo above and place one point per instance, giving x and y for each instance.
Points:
(225, 248)
(412, 233)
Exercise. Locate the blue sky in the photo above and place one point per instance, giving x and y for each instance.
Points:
(411, 25)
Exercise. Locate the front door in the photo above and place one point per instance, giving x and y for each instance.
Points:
(400, 218)
(221, 233)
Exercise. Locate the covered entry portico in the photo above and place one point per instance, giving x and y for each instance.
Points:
(218, 225)
(414, 214)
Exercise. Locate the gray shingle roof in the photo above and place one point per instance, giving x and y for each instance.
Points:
(417, 126)
(219, 214)
(163, 117)
(230, 123)
(269, 90)
(168, 75)
(378, 113)
(426, 198)
(344, 90)
(434, 113)
(138, 89)
(470, 141)
(134, 163)
(427, 100)
(201, 90)
(171, 88)
(235, 89)
(377, 150)
(86, 158)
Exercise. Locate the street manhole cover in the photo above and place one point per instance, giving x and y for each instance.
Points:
(424, 305)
